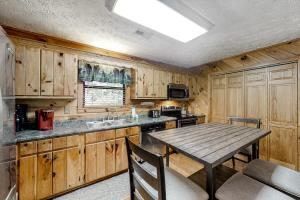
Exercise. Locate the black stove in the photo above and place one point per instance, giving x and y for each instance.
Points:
(182, 119)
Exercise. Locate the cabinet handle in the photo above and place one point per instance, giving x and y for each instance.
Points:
(42, 90)
(54, 157)
(35, 90)
(116, 147)
(25, 145)
(53, 174)
(59, 63)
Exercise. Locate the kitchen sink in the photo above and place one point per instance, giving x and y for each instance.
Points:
(105, 123)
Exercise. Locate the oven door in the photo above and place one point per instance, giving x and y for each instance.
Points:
(187, 122)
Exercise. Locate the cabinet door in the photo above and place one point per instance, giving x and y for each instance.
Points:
(27, 177)
(193, 85)
(91, 162)
(44, 175)
(235, 95)
(218, 99)
(47, 59)
(256, 103)
(160, 82)
(283, 146)
(283, 114)
(121, 155)
(75, 167)
(144, 82)
(110, 157)
(70, 74)
(59, 74)
(20, 70)
(32, 71)
(59, 171)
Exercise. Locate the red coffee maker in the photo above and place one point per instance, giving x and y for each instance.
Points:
(45, 118)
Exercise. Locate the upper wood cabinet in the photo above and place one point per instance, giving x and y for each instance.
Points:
(150, 83)
(27, 70)
(45, 72)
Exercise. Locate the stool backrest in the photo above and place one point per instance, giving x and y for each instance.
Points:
(255, 121)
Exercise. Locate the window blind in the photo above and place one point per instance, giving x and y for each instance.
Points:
(97, 94)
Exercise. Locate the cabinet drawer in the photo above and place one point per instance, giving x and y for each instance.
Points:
(170, 124)
(44, 145)
(73, 141)
(122, 132)
(59, 143)
(99, 136)
(27, 148)
(135, 130)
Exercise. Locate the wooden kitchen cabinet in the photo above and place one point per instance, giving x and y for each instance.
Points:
(44, 175)
(121, 155)
(200, 119)
(75, 167)
(217, 99)
(27, 70)
(150, 83)
(27, 177)
(45, 72)
(110, 157)
(135, 139)
(59, 171)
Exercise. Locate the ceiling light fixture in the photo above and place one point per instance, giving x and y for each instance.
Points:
(156, 15)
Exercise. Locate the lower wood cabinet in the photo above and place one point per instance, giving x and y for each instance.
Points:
(27, 177)
(75, 167)
(59, 167)
(121, 155)
(200, 119)
(44, 175)
(54, 166)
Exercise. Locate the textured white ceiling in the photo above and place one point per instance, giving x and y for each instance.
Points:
(240, 26)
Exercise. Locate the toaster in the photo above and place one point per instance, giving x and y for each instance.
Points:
(154, 113)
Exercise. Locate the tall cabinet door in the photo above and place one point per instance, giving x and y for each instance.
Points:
(59, 171)
(121, 155)
(217, 108)
(283, 114)
(27, 182)
(235, 95)
(256, 103)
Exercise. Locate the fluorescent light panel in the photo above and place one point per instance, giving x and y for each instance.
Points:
(159, 17)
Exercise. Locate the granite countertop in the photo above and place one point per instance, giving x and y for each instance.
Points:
(73, 127)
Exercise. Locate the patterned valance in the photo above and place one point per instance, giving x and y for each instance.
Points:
(91, 71)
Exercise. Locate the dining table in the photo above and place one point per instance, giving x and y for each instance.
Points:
(211, 144)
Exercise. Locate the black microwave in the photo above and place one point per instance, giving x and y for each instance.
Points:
(178, 92)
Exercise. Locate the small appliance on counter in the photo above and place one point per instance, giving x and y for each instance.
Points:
(154, 113)
(21, 117)
(44, 118)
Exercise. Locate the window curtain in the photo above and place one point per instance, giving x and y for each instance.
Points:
(90, 71)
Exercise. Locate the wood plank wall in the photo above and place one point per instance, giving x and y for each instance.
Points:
(266, 56)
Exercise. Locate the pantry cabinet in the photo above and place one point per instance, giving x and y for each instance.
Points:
(45, 72)
(269, 94)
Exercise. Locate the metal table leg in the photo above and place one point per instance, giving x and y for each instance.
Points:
(167, 156)
(254, 151)
(210, 181)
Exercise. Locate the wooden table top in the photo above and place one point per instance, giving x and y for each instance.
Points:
(211, 143)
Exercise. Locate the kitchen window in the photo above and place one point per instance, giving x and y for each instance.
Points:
(103, 95)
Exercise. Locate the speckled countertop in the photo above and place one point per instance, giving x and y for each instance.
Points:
(73, 127)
